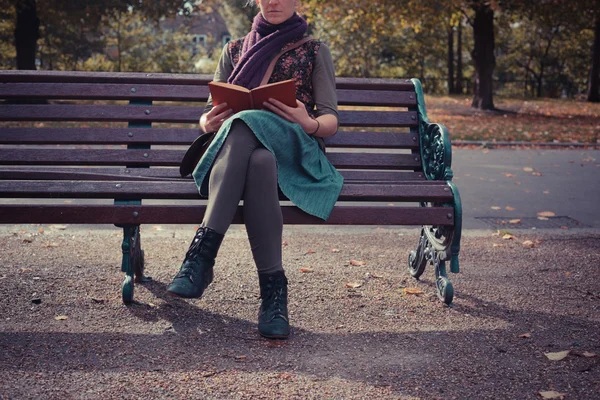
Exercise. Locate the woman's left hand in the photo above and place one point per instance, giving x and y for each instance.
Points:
(296, 114)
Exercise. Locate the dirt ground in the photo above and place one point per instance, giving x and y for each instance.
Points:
(65, 334)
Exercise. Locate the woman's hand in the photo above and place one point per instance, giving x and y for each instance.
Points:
(212, 120)
(296, 114)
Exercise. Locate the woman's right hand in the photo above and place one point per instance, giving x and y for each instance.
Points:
(212, 120)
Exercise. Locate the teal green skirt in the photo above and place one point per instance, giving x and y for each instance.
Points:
(305, 175)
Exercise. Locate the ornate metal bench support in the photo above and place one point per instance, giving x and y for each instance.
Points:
(133, 262)
(437, 244)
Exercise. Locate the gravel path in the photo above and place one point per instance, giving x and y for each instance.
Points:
(513, 304)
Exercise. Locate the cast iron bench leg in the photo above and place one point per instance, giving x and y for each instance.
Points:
(133, 262)
(431, 250)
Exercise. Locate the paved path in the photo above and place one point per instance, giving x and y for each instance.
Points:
(566, 182)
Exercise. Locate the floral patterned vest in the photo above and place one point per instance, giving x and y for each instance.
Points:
(295, 64)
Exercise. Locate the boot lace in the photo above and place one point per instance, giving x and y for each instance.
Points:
(273, 301)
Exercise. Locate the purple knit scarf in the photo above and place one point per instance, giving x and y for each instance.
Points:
(261, 44)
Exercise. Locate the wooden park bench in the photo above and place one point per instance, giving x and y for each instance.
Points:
(104, 148)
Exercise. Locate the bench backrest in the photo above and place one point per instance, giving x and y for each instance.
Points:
(103, 112)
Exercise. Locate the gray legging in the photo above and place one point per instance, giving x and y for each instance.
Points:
(244, 169)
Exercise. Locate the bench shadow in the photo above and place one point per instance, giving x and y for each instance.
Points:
(199, 339)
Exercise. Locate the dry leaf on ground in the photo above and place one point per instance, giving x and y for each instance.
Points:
(498, 244)
(551, 395)
(525, 335)
(357, 263)
(309, 251)
(528, 169)
(515, 221)
(543, 218)
(509, 208)
(508, 237)
(335, 250)
(61, 317)
(557, 356)
(589, 354)
(528, 244)
(415, 291)
(306, 270)
(496, 208)
(284, 243)
(353, 285)
(546, 214)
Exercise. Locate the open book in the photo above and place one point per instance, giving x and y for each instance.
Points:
(238, 98)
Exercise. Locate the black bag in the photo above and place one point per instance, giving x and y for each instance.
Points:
(194, 153)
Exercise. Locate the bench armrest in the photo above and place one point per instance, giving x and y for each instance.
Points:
(436, 149)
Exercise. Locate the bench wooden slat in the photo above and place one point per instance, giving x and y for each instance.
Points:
(178, 79)
(179, 114)
(172, 158)
(96, 135)
(103, 77)
(426, 191)
(150, 214)
(95, 91)
(172, 174)
(194, 93)
(181, 136)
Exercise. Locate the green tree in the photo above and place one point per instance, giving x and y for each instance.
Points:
(30, 15)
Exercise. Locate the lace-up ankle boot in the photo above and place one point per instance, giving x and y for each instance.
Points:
(196, 272)
(273, 320)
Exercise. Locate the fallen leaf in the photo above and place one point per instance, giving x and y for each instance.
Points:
(536, 173)
(508, 237)
(528, 244)
(357, 263)
(61, 227)
(515, 221)
(50, 245)
(528, 169)
(557, 356)
(509, 175)
(284, 375)
(546, 192)
(61, 317)
(525, 335)
(41, 230)
(414, 291)
(353, 285)
(284, 243)
(376, 276)
(551, 395)
(509, 208)
(306, 270)
(588, 354)
(309, 251)
(543, 218)
(546, 214)
(335, 250)
(495, 208)
(241, 357)
(498, 245)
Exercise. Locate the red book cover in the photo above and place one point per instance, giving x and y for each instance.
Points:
(238, 98)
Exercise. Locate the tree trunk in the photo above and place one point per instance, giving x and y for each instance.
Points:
(27, 32)
(483, 57)
(459, 61)
(451, 89)
(594, 81)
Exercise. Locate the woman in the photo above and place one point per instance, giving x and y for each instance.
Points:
(257, 151)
